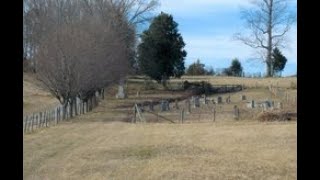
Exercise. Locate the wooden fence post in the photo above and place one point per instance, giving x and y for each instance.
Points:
(46, 119)
(56, 116)
(25, 124)
(182, 115)
(32, 122)
(214, 113)
(236, 112)
(134, 114)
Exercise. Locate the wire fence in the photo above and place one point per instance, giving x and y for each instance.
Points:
(54, 115)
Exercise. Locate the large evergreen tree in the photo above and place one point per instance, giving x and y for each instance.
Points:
(235, 68)
(196, 68)
(279, 60)
(161, 53)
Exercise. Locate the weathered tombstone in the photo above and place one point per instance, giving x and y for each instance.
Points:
(219, 100)
(164, 105)
(151, 106)
(251, 104)
(205, 100)
(243, 98)
(188, 105)
(228, 100)
(121, 94)
(196, 102)
(213, 102)
(176, 105)
(141, 107)
(264, 105)
(236, 112)
(272, 104)
(138, 93)
(279, 105)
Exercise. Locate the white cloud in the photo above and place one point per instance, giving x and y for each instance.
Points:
(207, 27)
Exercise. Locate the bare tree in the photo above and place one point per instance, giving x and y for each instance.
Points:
(268, 22)
(80, 47)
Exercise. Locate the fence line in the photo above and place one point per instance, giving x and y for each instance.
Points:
(181, 116)
(53, 116)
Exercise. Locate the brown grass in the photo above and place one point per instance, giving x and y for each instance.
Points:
(35, 98)
(243, 150)
(91, 146)
(287, 82)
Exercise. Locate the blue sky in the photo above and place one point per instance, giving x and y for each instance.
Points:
(207, 27)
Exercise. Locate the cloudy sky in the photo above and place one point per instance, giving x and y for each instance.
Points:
(207, 27)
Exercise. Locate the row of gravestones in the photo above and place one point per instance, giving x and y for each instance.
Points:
(264, 104)
(194, 102)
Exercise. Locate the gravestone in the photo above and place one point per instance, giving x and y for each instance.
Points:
(213, 101)
(205, 100)
(138, 93)
(164, 105)
(188, 105)
(219, 100)
(141, 107)
(251, 104)
(279, 105)
(176, 105)
(265, 105)
(151, 106)
(228, 100)
(236, 112)
(196, 101)
(243, 98)
(121, 94)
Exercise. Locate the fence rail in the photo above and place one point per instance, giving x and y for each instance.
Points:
(53, 116)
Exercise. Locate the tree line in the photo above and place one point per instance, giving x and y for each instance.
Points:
(79, 47)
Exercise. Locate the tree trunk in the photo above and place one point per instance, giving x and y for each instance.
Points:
(71, 107)
(75, 107)
(269, 48)
(102, 93)
(90, 103)
(64, 110)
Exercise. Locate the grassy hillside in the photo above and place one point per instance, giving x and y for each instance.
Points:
(242, 150)
(94, 146)
(35, 98)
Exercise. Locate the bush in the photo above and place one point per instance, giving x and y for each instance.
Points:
(198, 87)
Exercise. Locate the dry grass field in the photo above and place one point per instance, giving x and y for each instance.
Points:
(97, 146)
(97, 150)
(284, 82)
(35, 98)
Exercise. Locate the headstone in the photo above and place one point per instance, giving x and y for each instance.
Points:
(251, 104)
(138, 93)
(121, 94)
(176, 105)
(164, 105)
(188, 105)
(228, 100)
(243, 98)
(236, 112)
(279, 105)
(219, 100)
(196, 101)
(141, 107)
(205, 100)
(151, 106)
(213, 102)
(264, 105)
